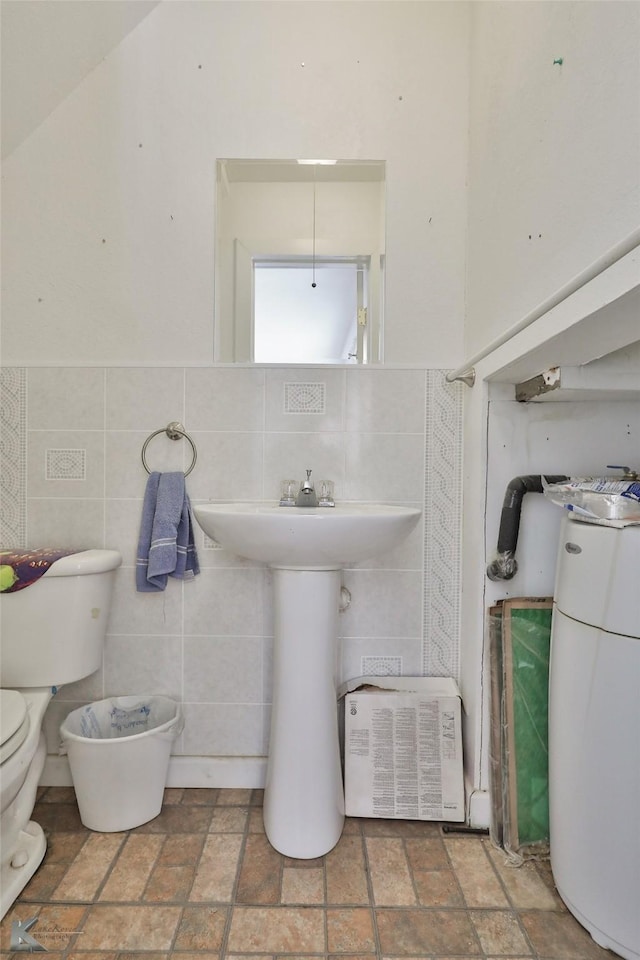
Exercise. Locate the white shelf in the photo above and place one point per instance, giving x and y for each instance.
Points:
(588, 346)
(613, 377)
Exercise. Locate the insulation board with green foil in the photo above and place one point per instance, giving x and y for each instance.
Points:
(496, 758)
(524, 630)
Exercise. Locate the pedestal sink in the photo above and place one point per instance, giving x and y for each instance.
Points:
(306, 547)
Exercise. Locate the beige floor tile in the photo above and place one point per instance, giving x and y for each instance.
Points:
(389, 870)
(302, 885)
(399, 828)
(340, 956)
(59, 795)
(182, 849)
(202, 796)
(64, 847)
(254, 956)
(260, 873)
(133, 867)
(131, 928)
(97, 955)
(229, 820)
(15, 912)
(217, 868)
(198, 955)
(438, 888)
(201, 928)
(139, 955)
(416, 933)
(277, 930)
(256, 820)
(499, 932)
(169, 884)
(352, 826)
(524, 884)
(426, 853)
(172, 795)
(85, 875)
(63, 817)
(476, 876)
(349, 930)
(179, 818)
(546, 875)
(434, 880)
(44, 882)
(560, 936)
(237, 797)
(58, 926)
(346, 872)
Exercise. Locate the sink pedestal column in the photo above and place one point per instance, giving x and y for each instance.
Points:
(304, 795)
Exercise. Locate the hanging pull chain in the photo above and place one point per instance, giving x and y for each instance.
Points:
(313, 257)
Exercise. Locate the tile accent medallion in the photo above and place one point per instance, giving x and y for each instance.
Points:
(13, 456)
(66, 464)
(442, 519)
(304, 397)
(381, 666)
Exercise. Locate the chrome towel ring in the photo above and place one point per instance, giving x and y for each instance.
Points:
(175, 431)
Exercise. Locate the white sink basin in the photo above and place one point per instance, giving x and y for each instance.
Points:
(303, 806)
(309, 538)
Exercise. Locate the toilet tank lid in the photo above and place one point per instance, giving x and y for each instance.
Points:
(84, 562)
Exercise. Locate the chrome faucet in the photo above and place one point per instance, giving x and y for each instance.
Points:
(307, 494)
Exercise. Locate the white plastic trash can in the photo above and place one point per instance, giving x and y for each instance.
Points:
(118, 752)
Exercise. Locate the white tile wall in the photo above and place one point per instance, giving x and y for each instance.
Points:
(66, 398)
(382, 434)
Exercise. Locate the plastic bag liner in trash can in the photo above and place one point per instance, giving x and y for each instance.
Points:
(119, 757)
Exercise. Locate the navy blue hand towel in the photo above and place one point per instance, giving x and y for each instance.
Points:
(166, 545)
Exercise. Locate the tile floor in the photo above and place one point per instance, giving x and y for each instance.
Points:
(201, 882)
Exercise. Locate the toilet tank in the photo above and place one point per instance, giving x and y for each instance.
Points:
(52, 632)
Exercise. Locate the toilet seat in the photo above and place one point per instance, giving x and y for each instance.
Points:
(14, 722)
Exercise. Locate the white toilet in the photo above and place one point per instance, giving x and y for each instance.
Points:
(52, 632)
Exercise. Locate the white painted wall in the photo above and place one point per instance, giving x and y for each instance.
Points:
(47, 49)
(109, 204)
(554, 150)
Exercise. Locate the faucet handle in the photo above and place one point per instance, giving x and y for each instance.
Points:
(325, 493)
(288, 493)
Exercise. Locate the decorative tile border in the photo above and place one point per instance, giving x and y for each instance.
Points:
(442, 527)
(13, 456)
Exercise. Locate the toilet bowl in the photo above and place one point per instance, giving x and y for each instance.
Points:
(52, 633)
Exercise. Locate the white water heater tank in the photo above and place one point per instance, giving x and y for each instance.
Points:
(594, 731)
